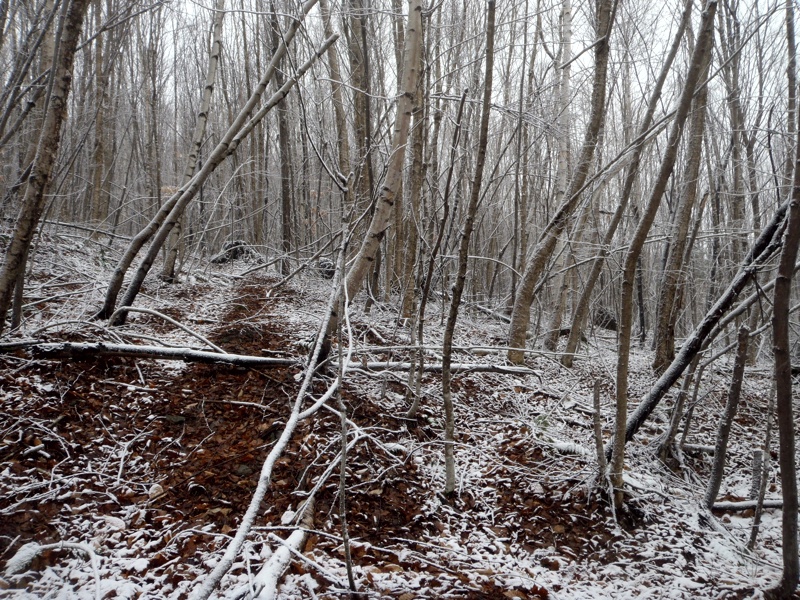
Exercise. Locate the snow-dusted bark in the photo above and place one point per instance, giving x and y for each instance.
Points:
(173, 208)
(521, 314)
(44, 162)
(764, 247)
(81, 350)
(582, 309)
(724, 431)
(381, 217)
(670, 294)
(781, 350)
(700, 56)
(463, 252)
(168, 271)
(264, 585)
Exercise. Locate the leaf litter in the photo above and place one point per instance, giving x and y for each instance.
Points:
(125, 478)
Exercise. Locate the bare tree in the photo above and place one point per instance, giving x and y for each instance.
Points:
(724, 430)
(632, 172)
(168, 272)
(172, 209)
(382, 215)
(780, 336)
(47, 149)
(520, 316)
(669, 296)
(285, 151)
(700, 55)
(463, 252)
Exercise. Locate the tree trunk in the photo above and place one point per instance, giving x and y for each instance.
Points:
(724, 431)
(381, 217)
(38, 113)
(42, 168)
(413, 220)
(666, 313)
(99, 199)
(767, 243)
(168, 271)
(701, 51)
(566, 264)
(521, 313)
(426, 286)
(463, 256)
(413, 215)
(356, 35)
(562, 163)
(284, 147)
(342, 138)
(783, 367)
(582, 310)
(519, 243)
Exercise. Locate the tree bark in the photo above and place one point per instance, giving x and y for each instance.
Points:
(47, 150)
(426, 286)
(83, 351)
(783, 368)
(701, 51)
(284, 148)
(407, 247)
(358, 52)
(38, 113)
(521, 313)
(724, 431)
(342, 138)
(562, 162)
(463, 255)
(99, 197)
(381, 217)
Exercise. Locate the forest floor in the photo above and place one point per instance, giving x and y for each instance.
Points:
(133, 475)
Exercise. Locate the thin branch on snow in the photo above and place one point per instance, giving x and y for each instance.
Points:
(155, 313)
(28, 552)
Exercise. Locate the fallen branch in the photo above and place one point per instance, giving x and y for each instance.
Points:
(8, 347)
(699, 448)
(25, 555)
(437, 368)
(747, 504)
(492, 313)
(155, 313)
(79, 350)
(265, 583)
(84, 350)
(207, 583)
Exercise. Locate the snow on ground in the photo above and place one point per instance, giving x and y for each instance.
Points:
(131, 476)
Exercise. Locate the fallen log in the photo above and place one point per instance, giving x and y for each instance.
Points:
(265, 583)
(8, 347)
(747, 504)
(75, 350)
(84, 350)
(437, 368)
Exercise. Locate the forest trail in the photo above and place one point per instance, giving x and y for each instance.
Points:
(152, 464)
